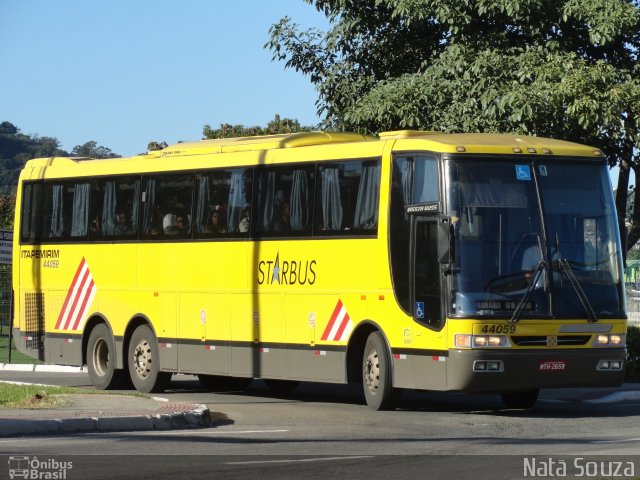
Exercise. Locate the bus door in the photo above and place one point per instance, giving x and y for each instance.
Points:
(429, 253)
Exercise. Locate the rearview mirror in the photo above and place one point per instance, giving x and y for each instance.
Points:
(446, 243)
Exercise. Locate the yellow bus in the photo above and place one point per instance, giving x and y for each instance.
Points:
(407, 260)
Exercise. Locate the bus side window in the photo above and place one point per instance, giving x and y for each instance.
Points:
(284, 198)
(80, 210)
(167, 202)
(348, 197)
(118, 212)
(238, 206)
(30, 228)
(213, 206)
(58, 208)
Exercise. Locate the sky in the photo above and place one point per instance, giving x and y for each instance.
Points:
(127, 72)
(124, 73)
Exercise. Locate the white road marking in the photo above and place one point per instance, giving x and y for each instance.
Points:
(302, 460)
(194, 432)
(624, 440)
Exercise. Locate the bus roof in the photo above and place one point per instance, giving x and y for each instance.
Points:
(486, 143)
(403, 140)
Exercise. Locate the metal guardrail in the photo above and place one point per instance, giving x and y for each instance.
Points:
(5, 312)
(633, 306)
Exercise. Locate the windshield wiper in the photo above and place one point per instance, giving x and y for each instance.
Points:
(517, 313)
(575, 283)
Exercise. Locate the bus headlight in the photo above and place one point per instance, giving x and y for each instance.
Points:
(481, 341)
(611, 340)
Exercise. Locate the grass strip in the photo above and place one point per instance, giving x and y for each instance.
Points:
(43, 396)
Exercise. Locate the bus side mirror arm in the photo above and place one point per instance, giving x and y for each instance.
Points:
(446, 245)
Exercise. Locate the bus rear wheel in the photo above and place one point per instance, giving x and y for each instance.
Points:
(376, 374)
(101, 360)
(520, 400)
(144, 362)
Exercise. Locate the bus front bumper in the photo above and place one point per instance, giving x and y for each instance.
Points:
(504, 371)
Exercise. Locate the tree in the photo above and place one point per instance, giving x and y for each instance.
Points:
(91, 149)
(8, 128)
(153, 146)
(16, 148)
(275, 126)
(7, 206)
(559, 68)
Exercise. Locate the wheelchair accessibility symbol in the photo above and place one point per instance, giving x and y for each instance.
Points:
(419, 309)
(523, 172)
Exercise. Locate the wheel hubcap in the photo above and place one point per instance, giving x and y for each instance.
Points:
(142, 359)
(101, 357)
(372, 372)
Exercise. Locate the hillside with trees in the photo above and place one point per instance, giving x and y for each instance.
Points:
(16, 148)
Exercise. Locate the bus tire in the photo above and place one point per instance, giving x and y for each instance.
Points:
(281, 386)
(101, 359)
(520, 400)
(144, 362)
(221, 383)
(376, 374)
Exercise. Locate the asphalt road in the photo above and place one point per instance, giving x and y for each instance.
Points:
(326, 431)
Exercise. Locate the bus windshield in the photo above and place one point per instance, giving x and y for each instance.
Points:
(535, 236)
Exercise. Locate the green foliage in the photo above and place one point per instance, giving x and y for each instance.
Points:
(16, 148)
(633, 354)
(91, 149)
(7, 206)
(153, 146)
(559, 68)
(276, 126)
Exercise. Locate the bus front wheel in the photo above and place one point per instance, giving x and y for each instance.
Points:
(144, 362)
(376, 374)
(101, 359)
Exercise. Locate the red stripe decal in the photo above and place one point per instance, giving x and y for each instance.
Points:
(343, 325)
(77, 295)
(69, 294)
(85, 305)
(332, 320)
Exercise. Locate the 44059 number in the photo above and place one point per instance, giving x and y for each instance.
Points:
(51, 263)
(498, 329)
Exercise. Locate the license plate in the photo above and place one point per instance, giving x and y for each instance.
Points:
(552, 366)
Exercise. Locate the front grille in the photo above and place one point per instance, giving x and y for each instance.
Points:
(541, 340)
(34, 320)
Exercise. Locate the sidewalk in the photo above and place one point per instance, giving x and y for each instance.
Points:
(99, 412)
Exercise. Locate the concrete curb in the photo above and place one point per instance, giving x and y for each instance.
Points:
(194, 416)
(198, 417)
(26, 367)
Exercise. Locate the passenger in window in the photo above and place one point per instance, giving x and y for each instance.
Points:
(243, 227)
(182, 223)
(96, 224)
(169, 224)
(122, 224)
(175, 224)
(283, 223)
(216, 222)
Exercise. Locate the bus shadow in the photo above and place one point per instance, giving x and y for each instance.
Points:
(423, 401)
